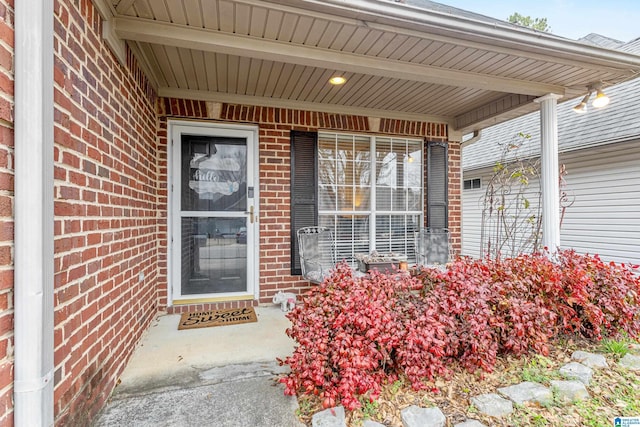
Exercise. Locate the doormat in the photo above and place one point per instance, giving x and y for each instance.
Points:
(205, 319)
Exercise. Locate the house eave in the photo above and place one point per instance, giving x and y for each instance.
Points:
(537, 44)
(146, 30)
(457, 67)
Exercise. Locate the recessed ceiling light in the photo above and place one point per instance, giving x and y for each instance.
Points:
(337, 80)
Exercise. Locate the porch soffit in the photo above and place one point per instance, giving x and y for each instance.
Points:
(399, 61)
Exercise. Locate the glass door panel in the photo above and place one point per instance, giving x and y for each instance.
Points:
(214, 255)
(214, 174)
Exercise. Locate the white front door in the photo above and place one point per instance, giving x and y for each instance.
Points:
(214, 194)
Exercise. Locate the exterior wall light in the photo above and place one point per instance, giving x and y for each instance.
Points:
(600, 100)
(581, 108)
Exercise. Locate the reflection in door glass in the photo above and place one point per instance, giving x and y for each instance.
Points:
(214, 173)
(214, 255)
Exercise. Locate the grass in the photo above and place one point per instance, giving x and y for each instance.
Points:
(590, 414)
(555, 401)
(306, 407)
(396, 387)
(618, 348)
(540, 369)
(369, 408)
(627, 393)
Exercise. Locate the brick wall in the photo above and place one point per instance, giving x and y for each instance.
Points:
(106, 229)
(275, 125)
(6, 212)
(455, 196)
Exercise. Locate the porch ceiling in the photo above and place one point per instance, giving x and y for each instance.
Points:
(399, 61)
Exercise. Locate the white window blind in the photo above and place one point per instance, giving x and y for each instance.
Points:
(370, 193)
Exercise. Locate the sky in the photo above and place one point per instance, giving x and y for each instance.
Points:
(618, 19)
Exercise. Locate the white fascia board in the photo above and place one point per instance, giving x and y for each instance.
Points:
(117, 45)
(105, 9)
(124, 6)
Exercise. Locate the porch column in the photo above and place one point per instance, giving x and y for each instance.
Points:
(549, 176)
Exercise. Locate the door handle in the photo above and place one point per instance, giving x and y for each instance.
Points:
(250, 214)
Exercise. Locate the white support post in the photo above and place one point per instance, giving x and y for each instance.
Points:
(33, 267)
(549, 172)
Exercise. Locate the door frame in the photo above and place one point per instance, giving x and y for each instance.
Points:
(175, 128)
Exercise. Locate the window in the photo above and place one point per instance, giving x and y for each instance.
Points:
(472, 184)
(370, 192)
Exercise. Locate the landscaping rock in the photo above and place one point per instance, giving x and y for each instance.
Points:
(634, 348)
(470, 423)
(415, 416)
(369, 423)
(526, 392)
(569, 391)
(332, 417)
(591, 360)
(576, 371)
(492, 404)
(630, 362)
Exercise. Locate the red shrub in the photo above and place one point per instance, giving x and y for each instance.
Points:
(427, 339)
(355, 334)
(605, 296)
(348, 330)
(495, 311)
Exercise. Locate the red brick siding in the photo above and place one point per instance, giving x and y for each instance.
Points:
(162, 241)
(275, 125)
(435, 131)
(106, 229)
(455, 199)
(6, 211)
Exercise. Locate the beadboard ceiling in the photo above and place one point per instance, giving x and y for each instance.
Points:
(400, 61)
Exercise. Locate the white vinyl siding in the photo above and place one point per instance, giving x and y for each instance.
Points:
(472, 201)
(605, 216)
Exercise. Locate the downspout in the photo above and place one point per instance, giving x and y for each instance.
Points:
(33, 192)
(477, 134)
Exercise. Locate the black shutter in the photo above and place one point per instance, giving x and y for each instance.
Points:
(437, 180)
(304, 188)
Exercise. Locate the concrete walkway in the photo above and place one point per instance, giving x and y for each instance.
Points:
(220, 376)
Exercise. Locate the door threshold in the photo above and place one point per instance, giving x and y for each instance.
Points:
(212, 299)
